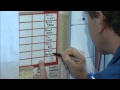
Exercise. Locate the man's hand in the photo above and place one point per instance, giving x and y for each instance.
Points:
(43, 73)
(77, 69)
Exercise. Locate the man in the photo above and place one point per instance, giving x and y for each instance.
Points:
(104, 29)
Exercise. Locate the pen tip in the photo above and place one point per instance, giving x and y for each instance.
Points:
(53, 53)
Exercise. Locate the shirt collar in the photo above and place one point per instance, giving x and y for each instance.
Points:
(115, 57)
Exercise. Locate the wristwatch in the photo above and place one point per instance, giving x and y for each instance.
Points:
(90, 76)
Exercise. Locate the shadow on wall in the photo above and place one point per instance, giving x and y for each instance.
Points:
(90, 46)
(62, 30)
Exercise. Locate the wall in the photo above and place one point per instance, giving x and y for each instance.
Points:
(63, 38)
(62, 31)
(104, 61)
(80, 38)
(9, 42)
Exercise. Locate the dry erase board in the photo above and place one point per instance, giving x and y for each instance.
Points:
(38, 33)
(55, 69)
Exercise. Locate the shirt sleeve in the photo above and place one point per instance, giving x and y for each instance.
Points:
(111, 72)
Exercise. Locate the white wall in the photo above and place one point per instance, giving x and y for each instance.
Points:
(103, 64)
(9, 50)
(80, 38)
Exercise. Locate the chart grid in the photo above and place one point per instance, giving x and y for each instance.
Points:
(38, 33)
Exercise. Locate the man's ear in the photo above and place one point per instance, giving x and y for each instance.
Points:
(101, 21)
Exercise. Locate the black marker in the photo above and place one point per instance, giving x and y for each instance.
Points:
(72, 57)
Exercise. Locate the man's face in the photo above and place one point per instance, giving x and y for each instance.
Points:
(93, 27)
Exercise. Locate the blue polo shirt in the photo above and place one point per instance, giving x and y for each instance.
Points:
(113, 69)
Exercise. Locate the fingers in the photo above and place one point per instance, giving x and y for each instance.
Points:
(77, 69)
(75, 53)
(36, 77)
(43, 73)
(72, 51)
(68, 61)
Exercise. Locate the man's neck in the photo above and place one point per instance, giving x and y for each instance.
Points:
(114, 44)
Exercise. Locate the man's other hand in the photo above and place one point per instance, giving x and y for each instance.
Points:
(43, 73)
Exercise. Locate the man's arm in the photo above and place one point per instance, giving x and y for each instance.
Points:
(77, 69)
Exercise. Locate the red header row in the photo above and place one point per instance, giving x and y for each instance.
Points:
(36, 12)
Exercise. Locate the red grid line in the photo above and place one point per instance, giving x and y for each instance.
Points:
(37, 50)
(35, 21)
(35, 43)
(44, 37)
(36, 57)
(35, 28)
(32, 39)
(37, 12)
(38, 35)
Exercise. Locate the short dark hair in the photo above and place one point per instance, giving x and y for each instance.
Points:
(112, 19)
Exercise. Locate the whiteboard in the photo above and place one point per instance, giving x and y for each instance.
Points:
(38, 37)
